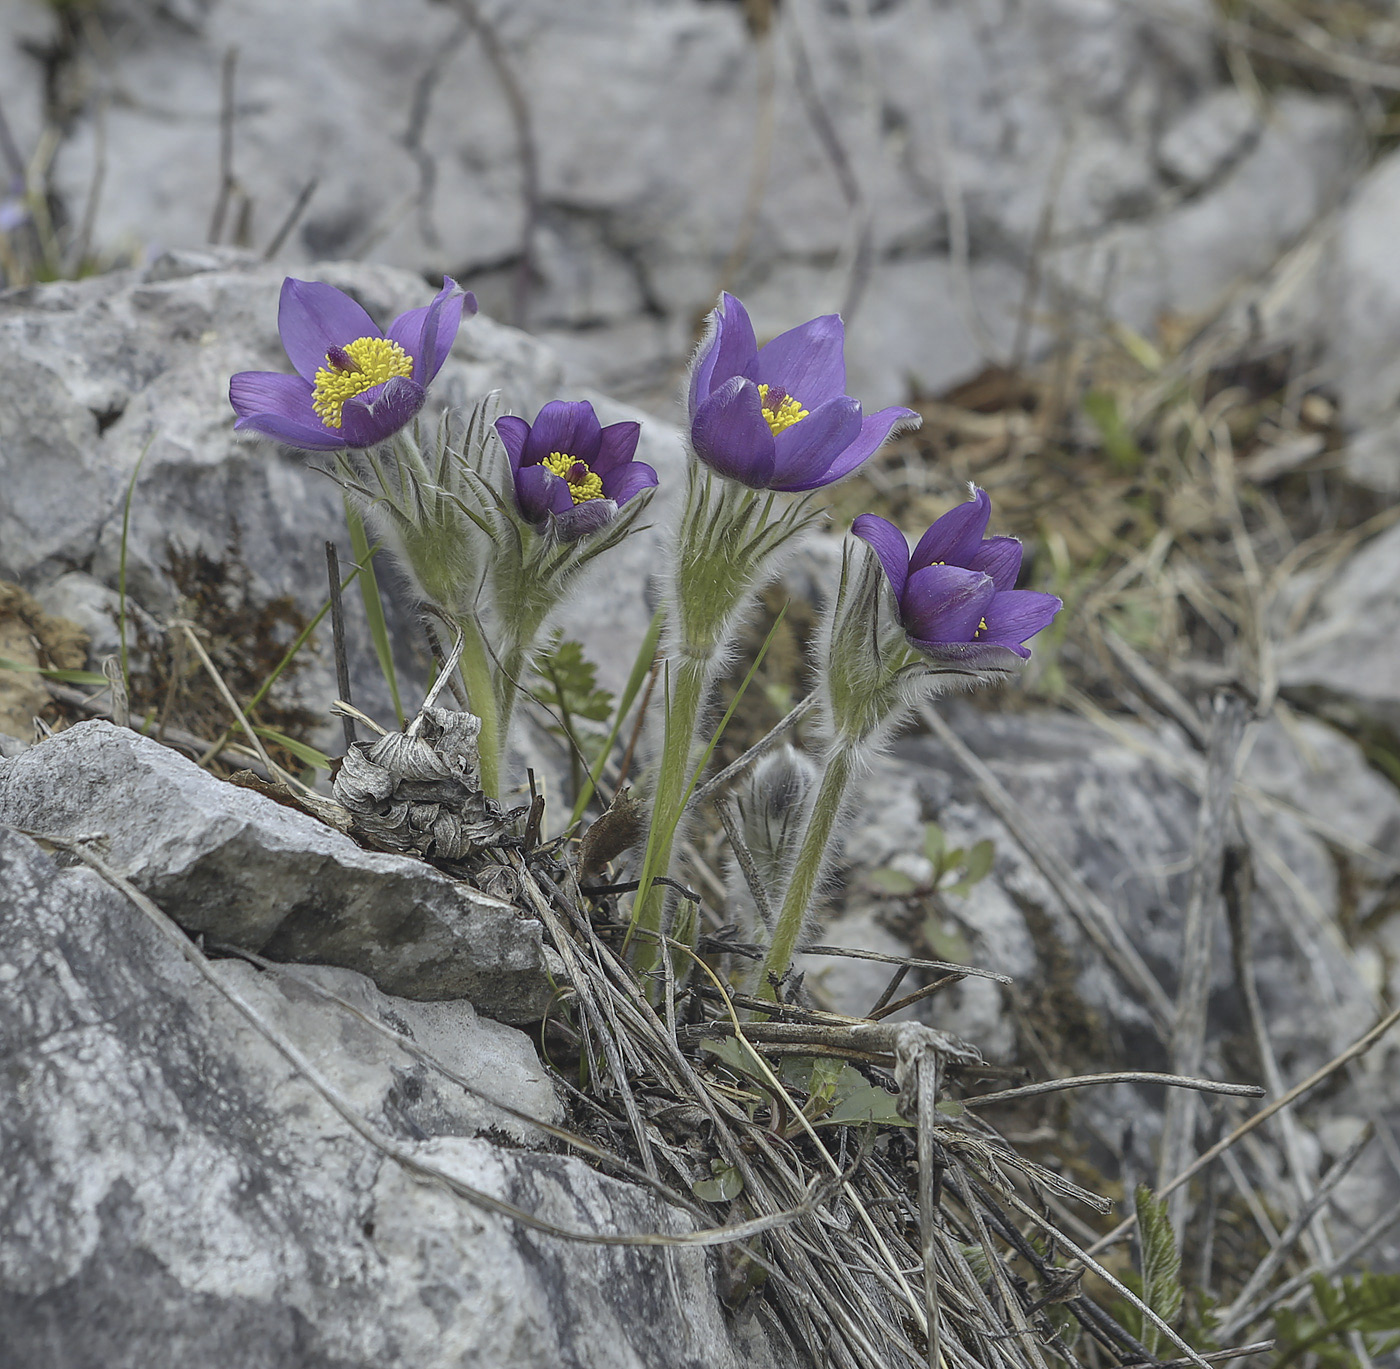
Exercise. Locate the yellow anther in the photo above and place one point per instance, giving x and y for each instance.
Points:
(378, 360)
(583, 484)
(788, 411)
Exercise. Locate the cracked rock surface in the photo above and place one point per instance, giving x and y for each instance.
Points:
(173, 1192)
(241, 869)
(591, 170)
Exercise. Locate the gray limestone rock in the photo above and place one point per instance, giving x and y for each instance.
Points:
(1117, 813)
(1361, 322)
(242, 869)
(174, 1191)
(869, 130)
(1347, 655)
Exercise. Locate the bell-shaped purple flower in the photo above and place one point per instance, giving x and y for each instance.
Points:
(777, 417)
(354, 386)
(571, 474)
(956, 592)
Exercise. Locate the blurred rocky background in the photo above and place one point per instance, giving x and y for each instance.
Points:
(1135, 262)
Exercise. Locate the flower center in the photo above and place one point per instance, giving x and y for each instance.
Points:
(780, 409)
(582, 483)
(353, 369)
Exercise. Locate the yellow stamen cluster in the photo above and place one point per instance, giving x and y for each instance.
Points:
(582, 483)
(788, 412)
(981, 628)
(376, 359)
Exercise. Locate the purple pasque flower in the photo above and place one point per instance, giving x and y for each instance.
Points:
(777, 417)
(354, 386)
(571, 474)
(956, 591)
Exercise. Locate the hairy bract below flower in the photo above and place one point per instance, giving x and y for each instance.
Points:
(777, 417)
(956, 592)
(572, 474)
(354, 386)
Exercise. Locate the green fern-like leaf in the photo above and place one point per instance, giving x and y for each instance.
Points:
(568, 681)
(1161, 1264)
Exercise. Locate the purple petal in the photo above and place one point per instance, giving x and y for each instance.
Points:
(874, 432)
(973, 656)
(310, 437)
(271, 392)
(728, 349)
(804, 454)
(808, 361)
(621, 484)
(999, 557)
(513, 433)
(540, 492)
(581, 519)
(562, 426)
(954, 538)
(945, 603)
(731, 436)
(312, 317)
(427, 334)
(889, 545)
(1016, 615)
(380, 412)
(617, 447)
(279, 407)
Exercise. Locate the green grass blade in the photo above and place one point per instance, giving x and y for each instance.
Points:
(374, 604)
(640, 668)
(308, 755)
(121, 565)
(83, 677)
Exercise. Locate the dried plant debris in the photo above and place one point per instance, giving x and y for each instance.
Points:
(33, 640)
(420, 790)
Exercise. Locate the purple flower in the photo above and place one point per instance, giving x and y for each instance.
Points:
(777, 417)
(956, 592)
(354, 386)
(571, 474)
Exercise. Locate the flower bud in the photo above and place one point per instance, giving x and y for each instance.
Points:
(771, 803)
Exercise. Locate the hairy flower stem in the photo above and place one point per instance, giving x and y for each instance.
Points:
(689, 687)
(477, 675)
(807, 869)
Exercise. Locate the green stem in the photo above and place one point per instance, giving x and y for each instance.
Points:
(807, 868)
(678, 748)
(481, 696)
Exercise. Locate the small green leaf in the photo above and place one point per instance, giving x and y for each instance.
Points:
(935, 843)
(738, 1055)
(866, 1104)
(950, 1107)
(727, 1184)
(894, 882)
(82, 677)
(976, 865)
(1119, 444)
